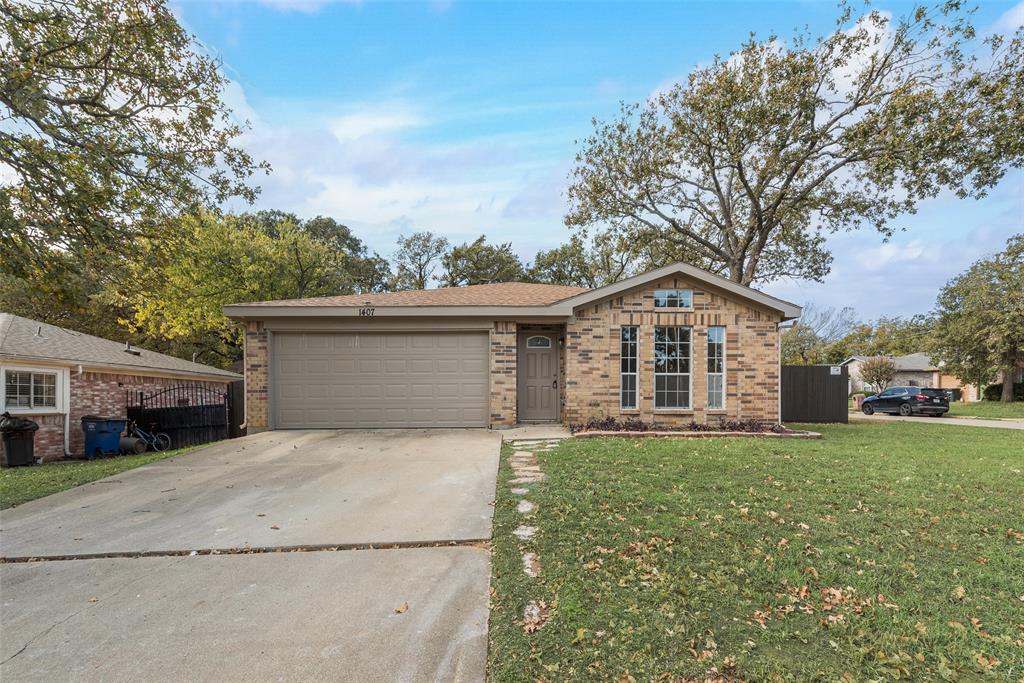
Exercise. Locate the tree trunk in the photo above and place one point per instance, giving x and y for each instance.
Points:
(1007, 395)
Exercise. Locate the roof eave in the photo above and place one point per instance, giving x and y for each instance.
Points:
(126, 369)
(245, 312)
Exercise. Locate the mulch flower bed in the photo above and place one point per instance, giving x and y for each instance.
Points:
(636, 428)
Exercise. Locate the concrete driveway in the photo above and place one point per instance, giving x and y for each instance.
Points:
(134, 602)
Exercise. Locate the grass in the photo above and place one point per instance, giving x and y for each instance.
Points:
(21, 484)
(883, 551)
(988, 409)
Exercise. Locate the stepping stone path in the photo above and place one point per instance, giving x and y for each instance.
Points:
(527, 472)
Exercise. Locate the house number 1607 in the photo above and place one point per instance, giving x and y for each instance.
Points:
(366, 312)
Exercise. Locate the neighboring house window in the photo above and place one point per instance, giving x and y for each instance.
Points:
(673, 298)
(628, 367)
(672, 367)
(24, 389)
(716, 368)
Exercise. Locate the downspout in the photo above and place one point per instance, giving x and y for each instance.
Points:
(778, 388)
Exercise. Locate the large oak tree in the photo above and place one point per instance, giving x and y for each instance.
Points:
(979, 332)
(756, 157)
(112, 121)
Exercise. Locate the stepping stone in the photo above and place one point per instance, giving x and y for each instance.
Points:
(531, 565)
(527, 468)
(525, 533)
(528, 480)
(520, 491)
(525, 507)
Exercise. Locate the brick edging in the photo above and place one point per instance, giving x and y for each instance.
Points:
(697, 435)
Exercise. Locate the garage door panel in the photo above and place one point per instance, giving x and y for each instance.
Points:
(474, 365)
(368, 380)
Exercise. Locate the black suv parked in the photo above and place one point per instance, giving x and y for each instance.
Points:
(908, 401)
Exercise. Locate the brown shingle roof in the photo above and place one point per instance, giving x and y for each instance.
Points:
(498, 294)
(27, 340)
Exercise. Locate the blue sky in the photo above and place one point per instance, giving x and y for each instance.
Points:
(462, 118)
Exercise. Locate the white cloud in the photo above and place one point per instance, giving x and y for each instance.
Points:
(1010, 20)
(374, 119)
(303, 6)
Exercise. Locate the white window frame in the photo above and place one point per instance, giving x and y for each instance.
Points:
(720, 375)
(60, 390)
(636, 373)
(689, 375)
(679, 305)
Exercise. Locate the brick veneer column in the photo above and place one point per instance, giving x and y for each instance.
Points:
(503, 373)
(256, 381)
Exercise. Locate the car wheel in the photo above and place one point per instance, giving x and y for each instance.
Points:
(906, 410)
(867, 409)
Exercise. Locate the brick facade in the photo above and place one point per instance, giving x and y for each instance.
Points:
(589, 359)
(504, 368)
(751, 363)
(256, 379)
(95, 393)
(106, 395)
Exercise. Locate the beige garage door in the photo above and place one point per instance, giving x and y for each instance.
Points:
(369, 380)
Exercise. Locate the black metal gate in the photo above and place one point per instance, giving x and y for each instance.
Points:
(189, 413)
(815, 393)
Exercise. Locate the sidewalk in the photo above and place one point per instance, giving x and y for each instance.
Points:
(959, 421)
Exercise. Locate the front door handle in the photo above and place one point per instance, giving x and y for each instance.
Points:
(554, 385)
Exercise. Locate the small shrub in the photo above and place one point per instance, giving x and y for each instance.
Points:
(632, 424)
(994, 392)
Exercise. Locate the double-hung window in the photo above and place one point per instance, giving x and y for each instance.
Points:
(673, 298)
(672, 361)
(628, 361)
(716, 368)
(26, 389)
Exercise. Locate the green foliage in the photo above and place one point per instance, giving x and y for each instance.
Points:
(416, 260)
(811, 340)
(113, 125)
(980, 328)
(886, 337)
(994, 392)
(176, 290)
(480, 263)
(878, 371)
(748, 164)
(866, 556)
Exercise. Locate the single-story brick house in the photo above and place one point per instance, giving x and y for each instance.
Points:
(672, 345)
(55, 376)
(914, 370)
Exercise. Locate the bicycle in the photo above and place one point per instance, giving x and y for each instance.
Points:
(158, 441)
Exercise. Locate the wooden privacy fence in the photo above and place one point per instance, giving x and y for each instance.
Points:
(189, 413)
(815, 393)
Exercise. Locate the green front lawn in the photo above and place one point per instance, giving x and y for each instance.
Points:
(988, 409)
(882, 551)
(21, 484)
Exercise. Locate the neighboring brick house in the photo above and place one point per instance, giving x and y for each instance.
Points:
(56, 376)
(914, 370)
(673, 345)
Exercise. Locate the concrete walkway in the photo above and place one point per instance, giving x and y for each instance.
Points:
(958, 421)
(243, 612)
